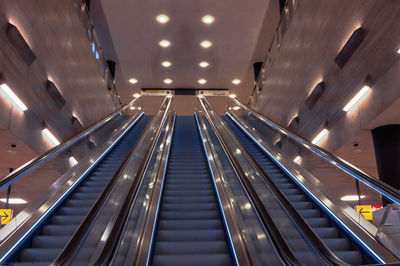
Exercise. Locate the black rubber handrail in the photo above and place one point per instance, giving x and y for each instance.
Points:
(382, 188)
(70, 250)
(318, 245)
(39, 160)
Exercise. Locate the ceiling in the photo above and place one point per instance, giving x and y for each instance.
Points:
(134, 35)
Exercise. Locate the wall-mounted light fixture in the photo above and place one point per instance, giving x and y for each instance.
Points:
(321, 135)
(350, 47)
(49, 137)
(10, 96)
(72, 161)
(297, 159)
(76, 123)
(356, 98)
(19, 43)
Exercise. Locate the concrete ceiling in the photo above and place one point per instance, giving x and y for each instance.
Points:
(135, 34)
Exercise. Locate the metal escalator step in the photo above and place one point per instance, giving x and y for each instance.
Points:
(306, 213)
(183, 215)
(50, 241)
(337, 244)
(191, 235)
(189, 199)
(191, 259)
(98, 190)
(85, 196)
(59, 230)
(67, 219)
(73, 210)
(188, 206)
(327, 232)
(191, 247)
(188, 193)
(190, 224)
(79, 203)
(303, 205)
(317, 222)
(188, 181)
(189, 187)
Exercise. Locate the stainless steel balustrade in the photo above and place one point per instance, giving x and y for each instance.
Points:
(382, 188)
(14, 234)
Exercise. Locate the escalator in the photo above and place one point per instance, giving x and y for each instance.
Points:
(54, 233)
(320, 222)
(190, 228)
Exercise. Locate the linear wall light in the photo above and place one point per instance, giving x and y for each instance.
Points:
(320, 136)
(10, 96)
(49, 137)
(14, 200)
(351, 197)
(297, 159)
(72, 161)
(356, 98)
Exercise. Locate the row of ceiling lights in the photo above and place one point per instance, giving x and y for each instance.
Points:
(207, 19)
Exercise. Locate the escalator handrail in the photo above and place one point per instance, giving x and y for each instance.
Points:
(71, 249)
(374, 183)
(318, 245)
(39, 160)
(117, 228)
(278, 242)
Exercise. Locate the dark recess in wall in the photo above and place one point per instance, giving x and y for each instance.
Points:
(350, 47)
(315, 95)
(55, 94)
(19, 43)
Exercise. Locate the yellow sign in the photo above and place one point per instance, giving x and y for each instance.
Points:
(365, 210)
(6, 215)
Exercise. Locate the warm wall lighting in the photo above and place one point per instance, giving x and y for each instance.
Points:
(236, 81)
(132, 108)
(320, 136)
(13, 98)
(162, 19)
(204, 64)
(297, 159)
(167, 81)
(49, 137)
(208, 19)
(133, 81)
(166, 64)
(236, 108)
(232, 95)
(72, 161)
(398, 51)
(164, 43)
(136, 95)
(202, 81)
(356, 98)
(351, 197)
(206, 44)
(14, 200)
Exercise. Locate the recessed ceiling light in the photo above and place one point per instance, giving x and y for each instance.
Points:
(208, 19)
(232, 95)
(162, 18)
(204, 64)
(136, 95)
(236, 81)
(133, 81)
(167, 81)
(14, 200)
(164, 43)
(236, 108)
(206, 44)
(73, 161)
(202, 81)
(132, 108)
(166, 63)
(398, 51)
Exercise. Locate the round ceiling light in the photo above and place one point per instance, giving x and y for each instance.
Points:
(206, 44)
(208, 19)
(167, 81)
(204, 64)
(133, 81)
(164, 43)
(236, 81)
(202, 81)
(162, 19)
(166, 63)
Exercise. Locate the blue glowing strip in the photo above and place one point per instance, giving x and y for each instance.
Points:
(309, 192)
(4, 258)
(372, 186)
(159, 197)
(215, 187)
